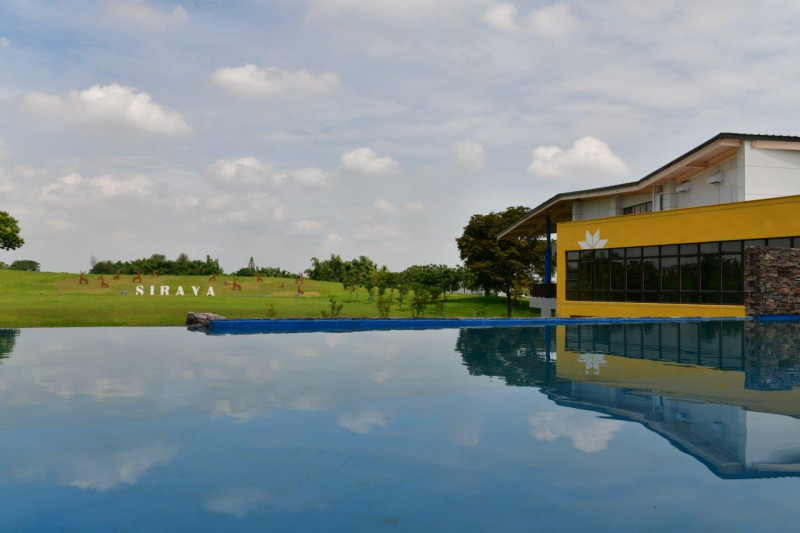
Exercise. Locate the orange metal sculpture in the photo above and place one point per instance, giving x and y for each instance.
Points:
(138, 277)
(83, 280)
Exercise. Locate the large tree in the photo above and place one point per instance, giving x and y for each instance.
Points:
(9, 232)
(500, 265)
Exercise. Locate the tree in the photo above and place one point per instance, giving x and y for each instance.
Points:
(500, 265)
(9, 232)
(25, 264)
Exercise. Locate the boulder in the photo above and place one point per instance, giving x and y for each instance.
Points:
(201, 319)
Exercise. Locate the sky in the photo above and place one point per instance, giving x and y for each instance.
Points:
(286, 129)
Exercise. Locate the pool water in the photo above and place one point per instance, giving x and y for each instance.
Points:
(634, 427)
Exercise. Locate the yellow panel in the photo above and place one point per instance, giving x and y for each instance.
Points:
(774, 217)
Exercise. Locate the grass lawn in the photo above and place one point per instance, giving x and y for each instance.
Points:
(44, 299)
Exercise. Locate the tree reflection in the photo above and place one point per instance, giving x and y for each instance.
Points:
(8, 338)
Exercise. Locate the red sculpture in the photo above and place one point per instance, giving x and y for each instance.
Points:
(83, 280)
(137, 278)
(103, 284)
(117, 276)
(154, 274)
(258, 279)
(280, 286)
(299, 282)
(213, 278)
(236, 285)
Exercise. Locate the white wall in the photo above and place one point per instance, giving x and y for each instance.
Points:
(771, 173)
(704, 193)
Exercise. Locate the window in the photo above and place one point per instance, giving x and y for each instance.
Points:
(706, 272)
(645, 207)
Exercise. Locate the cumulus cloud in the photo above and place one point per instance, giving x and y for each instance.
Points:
(311, 176)
(379, 232)
(242, 171)
(4, 41)
(140, 14)
(587, 155)
(333, 240)
(113, 104)
(363, 422)
(552, 21)
(366, 161)
(238, 501)
(306, 227)
(252, 80)
(386, 207)
(391, 10)
(501, 17)
(469, 155)
(107, 186)
(587, 433)
(414, 206)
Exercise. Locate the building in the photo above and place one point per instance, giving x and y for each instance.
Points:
(673, 242)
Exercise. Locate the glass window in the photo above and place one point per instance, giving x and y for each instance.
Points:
(587, 255)
(617, 275)
(709, 297)
(689, 249)
(573, 255)
(671, 249)
(633, 274)
(690, 276)
(633, 252)
(573, 295)
(669, 274)
(796, 242)
(754, 242)
(634, 296)
(602, 275)
(732, 272)
(587, 276)
(783, 242)
(690, 297)
(732, 298)
(650, 251)
(709, 272)
(616, 253)
(709, 247)
(651, 296)
(650, 274)
(669, 297)
(617, 296)
(731, 247)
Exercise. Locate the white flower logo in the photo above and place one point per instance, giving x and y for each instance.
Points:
(593, 362)
(592, 241)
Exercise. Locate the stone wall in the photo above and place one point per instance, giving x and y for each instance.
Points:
(771, 281)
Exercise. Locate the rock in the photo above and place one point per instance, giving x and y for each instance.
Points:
(201, 319)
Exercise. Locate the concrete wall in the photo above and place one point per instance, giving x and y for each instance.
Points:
(770, 173)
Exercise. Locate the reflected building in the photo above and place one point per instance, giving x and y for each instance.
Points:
(724, 392)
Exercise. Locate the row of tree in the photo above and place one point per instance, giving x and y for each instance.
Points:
(182, 266)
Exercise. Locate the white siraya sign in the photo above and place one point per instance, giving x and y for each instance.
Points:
(164, 290)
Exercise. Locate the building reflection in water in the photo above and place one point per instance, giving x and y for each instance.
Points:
(725, 392)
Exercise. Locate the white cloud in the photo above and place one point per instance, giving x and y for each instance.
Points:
(363, 422)
(333, 240)
(588, 433)
(386, 207)
(552, 22)
(252, 80)
(391, 10)
(306, 227)
(469, 155)
(242, 171)
(74, 185)
(501, 17)
(3, 151)
(140, 14)
(414, 206)
(108, 105)
(311, 176)
(366, 161)
(587, 155)
(266, 203)
(238, 501)
(4, 41)
(379, 232)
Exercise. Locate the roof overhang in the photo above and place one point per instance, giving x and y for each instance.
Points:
(712, 152)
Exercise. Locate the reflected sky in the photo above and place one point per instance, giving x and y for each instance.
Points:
(444, 430)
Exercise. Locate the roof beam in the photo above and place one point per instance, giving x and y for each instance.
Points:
(775, 145)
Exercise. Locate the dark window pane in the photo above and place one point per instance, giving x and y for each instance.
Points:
(709, 247)
(587, 276)
(671, 249)
(669, 297)
(600, 254)
(669, 274)
(573, 268)
(573, 295)
(709, 297)
(688, 249)
(633, 252)
(783, 242)
(617, 275)
(573, 255)
(689, 274)
(616, 253)
(587, 255)
(633, 274)
(601, 275)
(650, 273)
(634, 296)
(573, 285)
(690, 297)
(733, 298)
(732, 273)
(729, 247)
(652, 296)
(754, 242)
(796, 242)
(587, 296)
(601, 296)
(709, 272)
(617, 296)
(650, 251)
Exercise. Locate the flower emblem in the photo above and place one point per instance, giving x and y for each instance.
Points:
(592, 241)
(593, 362)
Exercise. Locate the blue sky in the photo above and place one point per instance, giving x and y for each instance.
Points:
(288, 129)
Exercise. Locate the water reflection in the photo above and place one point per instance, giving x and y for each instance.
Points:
(8, 338)
(724, 392)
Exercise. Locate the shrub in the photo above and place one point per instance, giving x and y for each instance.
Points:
(271, 311)
(419, 303)
(440, 308)
(480, 312)
(335, 308)
(385, 305)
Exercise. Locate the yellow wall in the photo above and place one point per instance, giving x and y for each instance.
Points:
(775, 217)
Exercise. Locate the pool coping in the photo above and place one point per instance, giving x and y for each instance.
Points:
(235, 326)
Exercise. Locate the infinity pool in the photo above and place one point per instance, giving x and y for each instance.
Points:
(636, 427)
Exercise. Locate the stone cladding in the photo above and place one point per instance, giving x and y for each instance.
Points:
(771, 281)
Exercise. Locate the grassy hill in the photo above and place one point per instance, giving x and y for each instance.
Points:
(44, 299)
